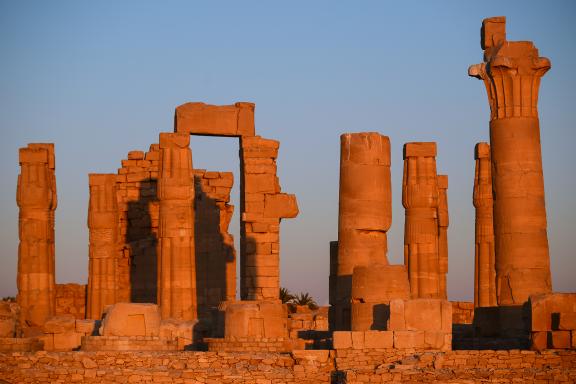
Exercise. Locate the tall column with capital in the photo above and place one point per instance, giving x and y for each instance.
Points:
(511, 73)
(420, 198)
(484, 261)
(176, 262)
(443, 221)
(36, 198)
(103, 226)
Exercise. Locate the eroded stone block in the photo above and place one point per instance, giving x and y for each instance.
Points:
(131, 319)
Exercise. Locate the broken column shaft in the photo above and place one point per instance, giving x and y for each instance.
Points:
(365, 212)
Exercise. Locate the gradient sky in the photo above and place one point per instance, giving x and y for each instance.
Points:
(102, 78)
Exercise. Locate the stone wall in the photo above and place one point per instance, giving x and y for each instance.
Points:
(301, 366)
(139, 209)
(462, 312)
(138, 221)
(71, 300)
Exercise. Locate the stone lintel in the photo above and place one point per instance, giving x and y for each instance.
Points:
(212, 120)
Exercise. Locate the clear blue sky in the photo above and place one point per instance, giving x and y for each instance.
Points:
(101, 78)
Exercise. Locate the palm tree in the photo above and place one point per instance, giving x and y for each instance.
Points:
(305, 299)
(286, 296)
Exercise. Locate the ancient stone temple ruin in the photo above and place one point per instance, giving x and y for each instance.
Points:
(162, 264)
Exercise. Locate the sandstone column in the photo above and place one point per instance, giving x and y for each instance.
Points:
(365, 212)
(36, 198)
(420, 198)
(103, 227)
(511, 72)
(443, 222)
(484, 272)
(176, 262)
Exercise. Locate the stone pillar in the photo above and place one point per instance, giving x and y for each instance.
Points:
(443, 222)
(176, 263)
(36, 198)
(511, 72)
(365, 213)
(103, 227)
(420, 198)
(484, 262)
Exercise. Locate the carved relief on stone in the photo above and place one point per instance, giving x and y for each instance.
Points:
(36, 198)
(484, 261)
(420, 198)
(176, 263)
(103, 227)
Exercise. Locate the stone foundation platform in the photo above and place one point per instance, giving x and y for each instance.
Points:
(303, 367)
(245, 344)
(27, 344)
(127, 343)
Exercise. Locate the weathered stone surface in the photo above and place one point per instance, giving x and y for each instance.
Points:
(378, 339)
(543, 306)
(567, 321)
(87, 326)
(131, 319)
(59, 324)
(103, 230)
(256, 319)
(420, 197)
(214, 245)
(179, 330)
(484, 259)
(302, 366)
(372, 289)
(365, 213)
(36, 198)
(9, 313)
(521, 241)
(71, 300)
(281, 205)
(409, 339)
(263, 207)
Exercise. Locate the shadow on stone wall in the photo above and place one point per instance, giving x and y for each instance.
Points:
(214, 254)
(142, 242)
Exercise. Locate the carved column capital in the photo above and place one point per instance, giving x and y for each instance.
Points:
(511, 72)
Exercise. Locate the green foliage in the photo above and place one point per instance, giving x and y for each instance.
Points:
(285, 296)
(305, 299)
(11, 299)
(302, 298)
